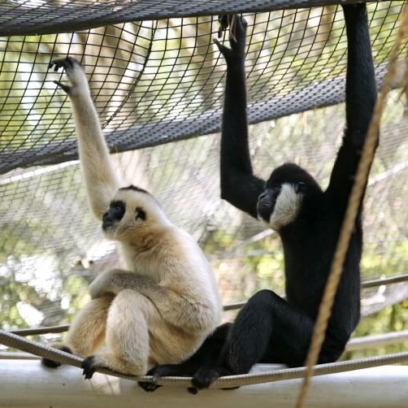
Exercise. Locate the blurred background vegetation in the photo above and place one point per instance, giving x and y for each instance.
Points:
(168, 70)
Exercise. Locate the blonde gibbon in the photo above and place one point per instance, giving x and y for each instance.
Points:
(161, 308)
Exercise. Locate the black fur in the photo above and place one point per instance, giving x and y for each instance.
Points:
(269, 328)
(134, 188)
(89, 367)
(67, 63)
(114, 213)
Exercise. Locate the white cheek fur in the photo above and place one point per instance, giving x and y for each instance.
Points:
(286, 207)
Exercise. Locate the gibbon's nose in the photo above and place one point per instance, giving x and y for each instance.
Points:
(263, 196)
(265, 199)
(107, 220)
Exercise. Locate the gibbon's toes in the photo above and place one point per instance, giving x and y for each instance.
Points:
(55, 364)
(50, 363)
(89, 367)
(149, 386)
(156, 373)
(204, 377)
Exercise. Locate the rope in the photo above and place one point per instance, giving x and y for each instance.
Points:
(12, 340)
(349, 219)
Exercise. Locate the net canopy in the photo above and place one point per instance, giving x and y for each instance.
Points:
(157, 81)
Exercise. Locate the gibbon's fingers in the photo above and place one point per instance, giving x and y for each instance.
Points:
(223, 49)
(66, 88)
(66, 63)
(97, 288)
(223, 21)
(238, 28)
(237, 40)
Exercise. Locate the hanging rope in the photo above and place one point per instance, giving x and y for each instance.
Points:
(349, 219)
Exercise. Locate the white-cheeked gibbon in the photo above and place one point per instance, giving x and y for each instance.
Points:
(163, 306)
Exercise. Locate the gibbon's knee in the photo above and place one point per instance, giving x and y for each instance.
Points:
(262, 299)
(87, 330)
(127, 331)
(333, 347)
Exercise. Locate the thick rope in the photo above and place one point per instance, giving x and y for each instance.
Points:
(14, 341)
(350, 216)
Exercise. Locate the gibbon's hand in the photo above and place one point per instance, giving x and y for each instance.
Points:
(103, 284)
(237, 37)
(74, 71)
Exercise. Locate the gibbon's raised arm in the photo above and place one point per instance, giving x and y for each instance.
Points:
(239, 186)
(361, 95)
(100, 179)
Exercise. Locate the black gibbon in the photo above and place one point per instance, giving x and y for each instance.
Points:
(162, 307)
(271, 329)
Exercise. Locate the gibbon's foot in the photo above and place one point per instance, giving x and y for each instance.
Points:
(205, 376)
(148, 386)
(68, 63)
(89, 367)
(156, 372)
(164, 370)
(55, 364)
(237, 36)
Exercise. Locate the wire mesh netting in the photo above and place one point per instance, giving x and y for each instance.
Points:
(158, 81)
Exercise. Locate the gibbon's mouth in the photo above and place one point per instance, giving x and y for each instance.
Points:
(265, 209)
(107, 225)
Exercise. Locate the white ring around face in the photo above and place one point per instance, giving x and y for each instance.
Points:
(286, 207)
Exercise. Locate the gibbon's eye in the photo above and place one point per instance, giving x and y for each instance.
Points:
(140, 214)
(300, 187)
(276, 188)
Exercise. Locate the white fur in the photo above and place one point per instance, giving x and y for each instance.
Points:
(286, 207)
(159, 310)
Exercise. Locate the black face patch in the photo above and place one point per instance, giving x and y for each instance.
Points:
(115, 213)
(266, 202)
(140, 214)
